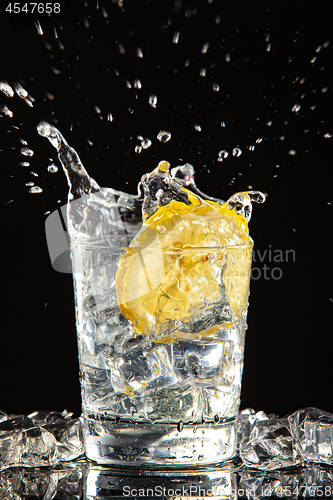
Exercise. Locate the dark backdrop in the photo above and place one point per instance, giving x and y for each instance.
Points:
(262, 60)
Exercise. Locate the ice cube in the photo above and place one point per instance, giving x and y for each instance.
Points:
(313, 432)
(246, 421)
(25, 443)
(142, 371)
(270, 445)
(204, 363)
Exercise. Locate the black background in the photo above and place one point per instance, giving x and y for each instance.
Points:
(271, 45)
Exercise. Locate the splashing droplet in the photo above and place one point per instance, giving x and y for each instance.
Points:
(6, 89)
(152, 100)
(236, 152)
(146, 143)
(6, 111)
(27, 152)
(222, 155)
(52, 169)
(35, 190)
(164, 136)
(296, 108)
(176, 37)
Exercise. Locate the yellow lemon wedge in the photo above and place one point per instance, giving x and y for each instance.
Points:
(187, 270)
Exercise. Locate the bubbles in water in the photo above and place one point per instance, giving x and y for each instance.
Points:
(152, 100)
(236, 152)
(197, 128)
(6, 89)
(164, 136)
(26, 152)
(52, 168)
(222, 155)
(35, 190)
(296, 108)
(6, 111)
(216, 87)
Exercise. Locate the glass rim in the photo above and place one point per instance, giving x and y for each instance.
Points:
(97, 247)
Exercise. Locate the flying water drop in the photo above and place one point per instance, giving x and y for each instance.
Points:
(35, 190)
(236, 152)
(52, 169)
(164, 136)
(296, 108)
(197, 128)
(6, 111)
(6, 89)
(222, 155)
(26, 152)
(152, 100)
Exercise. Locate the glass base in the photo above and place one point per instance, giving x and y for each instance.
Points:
(159, 445)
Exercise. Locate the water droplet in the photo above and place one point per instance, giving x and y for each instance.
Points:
(268, 47)
(236, 152)
(205, 48)
(138, 148)
(49, 96)
(252, 147)
(203, 72)
(222, 154)
(218, 19)
(109, 117)
(222, 124)
(137, 84)
(26, 152)
(152, 100)
(35, 190)
(6, 111)
(291, 152)
(121, 48)
(176, 37)
(227, 57)
(259, 140)
(282, 138)
(33, 173)
(52, 168)
(146, 143)
(327, 135)
(139, 52)
(164, 136)
(39, 27)
(269, 124)
(97, 109)
(318, 49)
(6, 89)
(216, 87)
(25, 164)
(29, 183)
(216, 418)
(296, 108)
(324, 90)
(197, 128)
(313, 60)
(180, 426)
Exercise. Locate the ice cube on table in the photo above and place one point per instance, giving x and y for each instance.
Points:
(270, 445)
(313, 432)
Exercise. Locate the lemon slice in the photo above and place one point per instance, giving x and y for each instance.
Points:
(187, 271)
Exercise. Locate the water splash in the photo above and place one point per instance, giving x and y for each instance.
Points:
(6, 89)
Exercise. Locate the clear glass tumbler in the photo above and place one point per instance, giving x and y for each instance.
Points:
(168, 397)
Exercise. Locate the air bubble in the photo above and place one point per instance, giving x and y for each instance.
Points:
(180, 426)
(164, 136)
(152, 100)
(236, 152)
